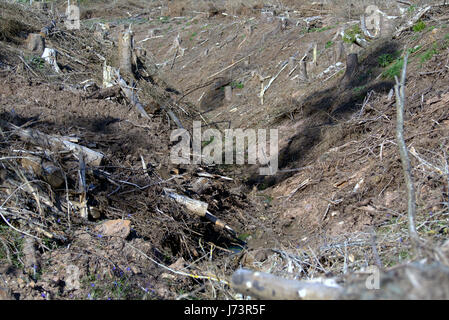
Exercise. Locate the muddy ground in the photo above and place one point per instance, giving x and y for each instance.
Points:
(336, 205)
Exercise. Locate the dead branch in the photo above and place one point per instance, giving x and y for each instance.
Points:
(228, 67)
(411, 22)
(133, 99)
(406, 165)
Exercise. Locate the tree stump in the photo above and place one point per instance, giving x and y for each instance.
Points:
(339, 51)
(352, 67)
(228, 93)
(125, 51)
(303, 70)
(35, 43)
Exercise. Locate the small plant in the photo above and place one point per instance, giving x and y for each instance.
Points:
(14, 246)
(164, 19)
(237, 85)
(411, 9)
(329, 44)
(37, 62)
(385, 60)
(419, 26)
(394, 69)
(426, 56)
(193, 36)
(321, 29)
(206, 143)
(414, 49)
(351, 34)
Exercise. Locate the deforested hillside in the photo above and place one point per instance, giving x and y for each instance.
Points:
(96, 102)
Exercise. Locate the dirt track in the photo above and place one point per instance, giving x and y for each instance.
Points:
(339, 191)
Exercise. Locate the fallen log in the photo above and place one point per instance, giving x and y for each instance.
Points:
(199, 208)
(267, 286)
(51, 142)
(105, 93)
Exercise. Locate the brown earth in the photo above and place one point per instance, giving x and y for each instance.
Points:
(339, 191)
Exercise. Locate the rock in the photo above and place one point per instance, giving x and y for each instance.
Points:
(179, 264)
(116, 228)
(20, 283)
(5, 294)
(72, 280)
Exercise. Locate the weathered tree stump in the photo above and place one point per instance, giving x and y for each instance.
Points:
(35, 43)
(303, 70)
(125, 51)
(339, 51)
(352, 67)
(228, 93)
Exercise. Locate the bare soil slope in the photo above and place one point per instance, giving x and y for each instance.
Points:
(336, 205)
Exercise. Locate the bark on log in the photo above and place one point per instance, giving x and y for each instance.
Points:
(352, 67)
(339, 51)
(267, 286)
(199, 208)
(125, 50)
(195, 206)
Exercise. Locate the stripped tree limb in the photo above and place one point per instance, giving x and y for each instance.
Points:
(228, 67)
(262, 94)
(406, 165)
(267, 286)
(199, 208)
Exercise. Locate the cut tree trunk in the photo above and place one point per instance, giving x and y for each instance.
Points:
(228, 93)
(339, 51)
(125, 53)
(352, 67)
(303, 70)
(35, 43)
